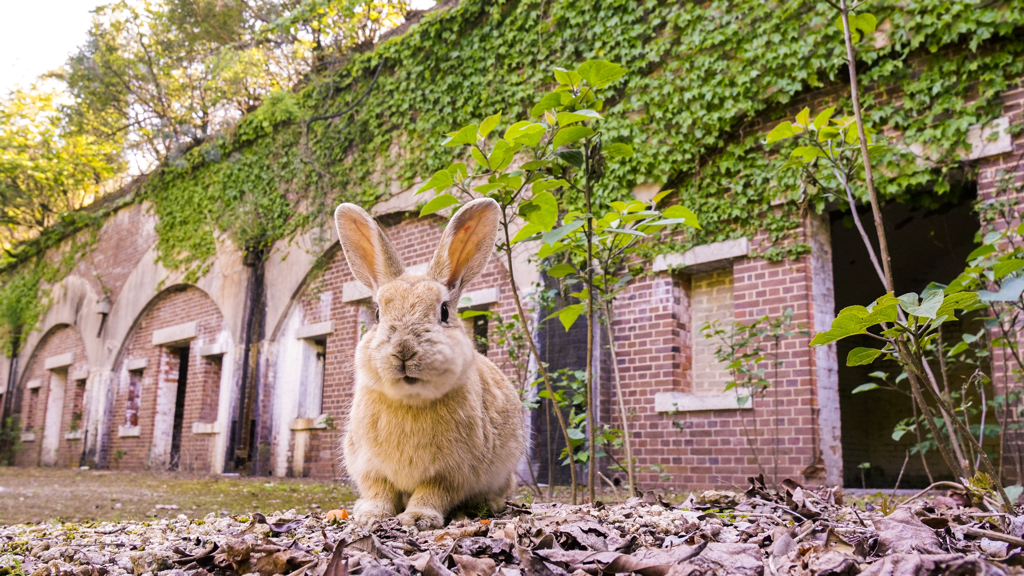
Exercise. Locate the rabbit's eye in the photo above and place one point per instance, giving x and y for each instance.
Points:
(444, 312)
(376, 314)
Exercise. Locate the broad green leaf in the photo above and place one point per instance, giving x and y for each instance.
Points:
(571, 134)
(782, 131)
(1006, 267)
(559, 233)
(680, 213)
(661, 195)
(541, 211)
(549, 101)
(898, 433)
(957, 301)
(569, 314)
(808, 153)
(567, 77)
(567, 118)
(827, 133)
(534, 165)
(803, 116)
(472, 313)
(489, 187)
(561, 270)
(600, 73)
(862, 356)
(571, 157)
(523, 130)
(625, 231)
(617, 150)
(1010, 291)
(489, 124)
(928, 307)
(525, 232)
(466, 135)
(959, 348)
(879, 314)
(441, 180)
(864, 387)
(548, 184)
(480, 158)
(549, 249)
(821, 120)
(501, 156)
(980, 251)
(440, 203)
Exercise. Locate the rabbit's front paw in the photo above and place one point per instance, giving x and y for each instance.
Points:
(422, 518)
(368, 512)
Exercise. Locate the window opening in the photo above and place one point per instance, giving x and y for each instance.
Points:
(134, 399)
(179, 407)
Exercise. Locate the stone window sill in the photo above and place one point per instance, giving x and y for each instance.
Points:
(28, 437)
(682, 402)
(129, 431)
(318, 423)
(206, 428)
(74, 435)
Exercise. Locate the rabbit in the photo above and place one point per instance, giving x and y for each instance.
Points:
(434, 424)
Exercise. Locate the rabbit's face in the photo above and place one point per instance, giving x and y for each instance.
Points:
(419, 350)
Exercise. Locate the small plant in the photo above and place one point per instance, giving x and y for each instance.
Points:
(863, 467)
(116, 458)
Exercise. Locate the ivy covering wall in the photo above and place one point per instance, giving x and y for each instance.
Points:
(703, 76)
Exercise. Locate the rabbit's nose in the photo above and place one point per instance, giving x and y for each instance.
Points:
(404, 355)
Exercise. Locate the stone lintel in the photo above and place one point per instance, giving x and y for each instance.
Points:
(217, 349)
(479, 297)
(205, 428)
(136, 364)
(34, 383)
(129, 431)
(175, 334)
(59, 361)
(705, 257)
(354, 291)
(314, 330)
(80, 374)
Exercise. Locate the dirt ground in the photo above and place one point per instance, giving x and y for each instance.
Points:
(39, 494)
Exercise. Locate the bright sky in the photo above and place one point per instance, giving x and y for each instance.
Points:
(37, 36)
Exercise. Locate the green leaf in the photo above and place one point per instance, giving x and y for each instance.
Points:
(548, 184)
(864, 388)
(827, 133)
(928, 307)
(441, 180)
(567, 118)
(571, 157)
(957, 301)
(1006, 267)
(525, 232)
(803, 116)
(489, 124)
(570, 135)
(661, 196)
(600, 73)
(569, 314)
(541, 211)
(501, 156)
(559, 233)
(862, 356)
(480, 158)
(567, 77)
(959, 348)
(561, 270)
(898, 433)
(524, 130)
(549, 249)
(618, 150)
(782, 131)
(983, 250)
(549, 101)
(808, 153)
(466, 135)
(821, 120)
(680, 213)
(440, 203)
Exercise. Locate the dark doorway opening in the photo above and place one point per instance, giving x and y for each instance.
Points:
(179, 407)
(927, 244)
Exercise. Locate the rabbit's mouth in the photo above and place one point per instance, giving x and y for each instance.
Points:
(410, 380)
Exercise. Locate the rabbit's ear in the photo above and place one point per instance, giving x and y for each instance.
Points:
(466, 245)
(370, 254)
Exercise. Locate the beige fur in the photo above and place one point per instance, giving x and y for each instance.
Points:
(434, 424)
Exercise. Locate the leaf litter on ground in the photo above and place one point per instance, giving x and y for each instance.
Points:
(761, 532)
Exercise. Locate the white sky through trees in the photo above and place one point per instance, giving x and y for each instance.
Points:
(37, 36)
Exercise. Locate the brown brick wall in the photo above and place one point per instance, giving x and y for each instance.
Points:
(176, 305)
(32, 404)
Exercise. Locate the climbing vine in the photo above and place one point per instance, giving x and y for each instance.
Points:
(704, 79)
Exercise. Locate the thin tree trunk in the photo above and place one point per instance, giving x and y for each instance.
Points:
(540, 362)
(592, 460)
(869, 178)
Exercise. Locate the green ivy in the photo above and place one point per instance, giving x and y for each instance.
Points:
(703, 76)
